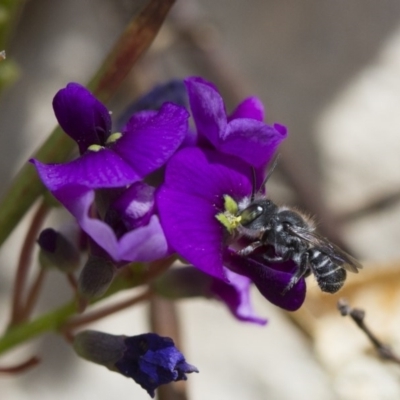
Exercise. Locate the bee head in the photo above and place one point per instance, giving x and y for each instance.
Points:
(257, 215)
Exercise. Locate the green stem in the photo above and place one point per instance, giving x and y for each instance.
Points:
(132, 277)
(47, 322)
(136, 38)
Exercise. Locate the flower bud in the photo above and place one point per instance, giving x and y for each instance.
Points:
(150, 360)
(96, 277)
(56, 251)
(99, 347)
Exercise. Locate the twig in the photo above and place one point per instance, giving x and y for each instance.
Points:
(371, 206)
(32, 362)
(77, 321)
(33, 294)
(24, 263)
(72, 282)
(358, 315)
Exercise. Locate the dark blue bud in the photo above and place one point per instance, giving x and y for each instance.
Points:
(150, 360)
(57, 251)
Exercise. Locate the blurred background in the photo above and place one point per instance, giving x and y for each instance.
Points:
(330, 72)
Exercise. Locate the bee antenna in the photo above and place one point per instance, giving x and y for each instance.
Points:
(271, 170)
(254, 178)
(253, 182)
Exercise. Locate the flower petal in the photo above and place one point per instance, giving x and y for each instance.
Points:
(94, 170)
(143, 244)
(191, 229)
(135, 206)
(236, 295)
(251, 107)
(251, 140)
(209, 175)
(207, 108)
(270, 280)
(150, 138)
(146, 243)
(192, 195)
(82, 116)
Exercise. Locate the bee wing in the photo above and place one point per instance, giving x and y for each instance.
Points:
(345, 260)
(349, 262)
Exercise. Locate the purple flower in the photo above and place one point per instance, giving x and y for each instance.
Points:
(113, 161)
(145, 243)
(191, 197)
(150, 360)
(242, 134)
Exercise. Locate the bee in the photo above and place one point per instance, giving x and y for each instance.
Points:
(292, 236)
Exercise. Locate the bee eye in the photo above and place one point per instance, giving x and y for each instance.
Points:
(251, 213)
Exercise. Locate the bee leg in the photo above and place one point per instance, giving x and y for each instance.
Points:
(273, 259)
(302, 271)
(250, 248)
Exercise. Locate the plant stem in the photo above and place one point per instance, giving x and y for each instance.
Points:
(24, 263)
(136, 38)
(78, 321)
(33, 294)
(54, 320)
(32, 362)
(47, 322)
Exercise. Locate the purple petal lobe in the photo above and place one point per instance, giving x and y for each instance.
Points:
(146, 243)
(207, 107)
(150, 138)
(251, 108)
(209, 175)
(251, 140)
(236, 295)
(82, 116)
(94, 169)
(195, 182)
(189, 225)
(270, 280)
(135, 206)
(244, 136)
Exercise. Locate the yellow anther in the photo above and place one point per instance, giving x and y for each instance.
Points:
(113, 137)
(95, 147)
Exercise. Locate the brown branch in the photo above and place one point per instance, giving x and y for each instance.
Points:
(357, 315)
(32, 362)
(80, 320)
(33, 294)
(24, 262)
